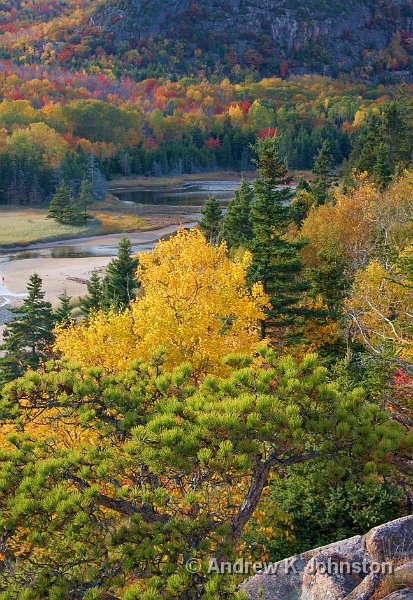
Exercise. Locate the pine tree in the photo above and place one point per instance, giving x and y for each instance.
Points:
(328, 280)
(120, 282)
(394, 133)
(211, 219)
(94, 298)
(97, 180)
(236, 227)
(62, 314)
(368, 154)
(27, 336)
(382, 170)
(60, 205)
(324, 171)
(85, 198)
(276, 261)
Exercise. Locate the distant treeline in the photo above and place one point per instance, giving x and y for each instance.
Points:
(193, 127)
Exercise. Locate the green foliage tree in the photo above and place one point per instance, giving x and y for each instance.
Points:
(28, 335)
(324, 171)
(236, 227)
(276, 260)
(211, 219)
(382, 170)
(63, 313)
(323, 512)
(96, 178)
(164, 468)
(94, 297)
(65, 208)
(59, 208)
(85, 198)
(367, 155)
(120, 282)
(329, 280)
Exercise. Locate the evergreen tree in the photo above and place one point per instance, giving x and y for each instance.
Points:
(236, 227)
(120, 282)
(63, 313)
(301, 204)
(324, 171)
(395, 133)
(303, 185)
(368, 154)
(85, 198)
(96, 179)
(382, 170)
(74, 213)
(94, 298)
(276, 261)
(27, 336)
(64, 208)
(329, 280)
(59, 208)
(211, 219)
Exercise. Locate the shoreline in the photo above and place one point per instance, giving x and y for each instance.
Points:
(5, 250)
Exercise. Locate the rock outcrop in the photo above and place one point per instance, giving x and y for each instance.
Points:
(378, 565)
(312, 36)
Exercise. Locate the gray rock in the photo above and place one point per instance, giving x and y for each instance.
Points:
(392, 541)
(405, 594)
(328, 577)
(313, 576)
(284, 581)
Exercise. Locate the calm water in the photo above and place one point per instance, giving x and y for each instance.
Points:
(141, 242)
(187, 194)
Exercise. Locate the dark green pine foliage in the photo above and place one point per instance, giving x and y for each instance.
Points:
(236, 228)
(382, 170)
(59, 208)
(324, 171)
(211, 220)
(276, 260)
(94, 298)
(395, 132)
(63, 313)
(368, 154)
(85, 198)
(27, 336)
(66, 209)
(96, 179)
(120, 282)
(329, 280)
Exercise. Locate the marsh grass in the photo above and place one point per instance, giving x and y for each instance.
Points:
(26, 226)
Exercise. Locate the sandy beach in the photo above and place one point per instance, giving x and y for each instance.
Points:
(58, 274)
(70, 273)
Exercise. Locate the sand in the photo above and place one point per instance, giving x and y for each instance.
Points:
(58, 274)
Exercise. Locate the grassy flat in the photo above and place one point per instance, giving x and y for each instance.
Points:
(26, 226)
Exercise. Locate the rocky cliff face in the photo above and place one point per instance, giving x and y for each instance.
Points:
(378, 565)
(267, 35)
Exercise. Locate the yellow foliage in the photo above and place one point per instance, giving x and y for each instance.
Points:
(194, 302)
(319, 331)
(380, 307)
(358, 220)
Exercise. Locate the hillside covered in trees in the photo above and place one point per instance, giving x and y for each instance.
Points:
(212, 38)
(66, 127)
(244, 390)
(89, 90)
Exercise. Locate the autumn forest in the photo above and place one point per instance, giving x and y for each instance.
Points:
(240, 384)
